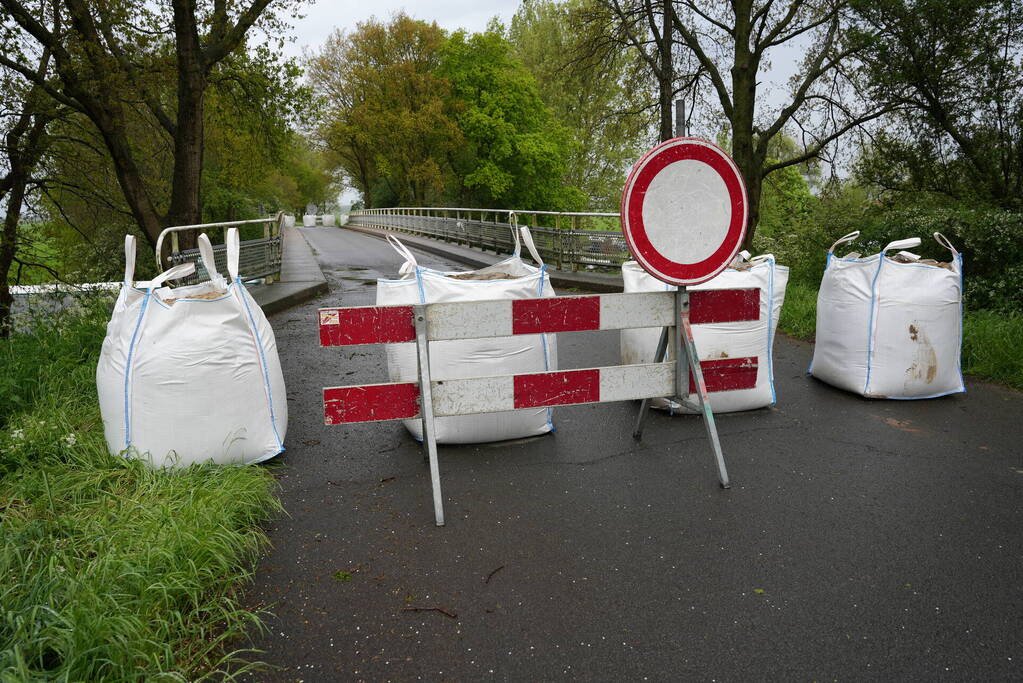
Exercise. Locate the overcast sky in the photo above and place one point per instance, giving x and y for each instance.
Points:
(322, 17)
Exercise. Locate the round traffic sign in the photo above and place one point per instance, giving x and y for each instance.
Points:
(684, 211)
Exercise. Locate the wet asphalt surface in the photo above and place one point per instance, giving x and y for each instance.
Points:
(861, 540)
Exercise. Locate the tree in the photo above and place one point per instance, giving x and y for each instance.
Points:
(598, 96)
(254, 160)
(254, 164)
(954, 68)
(25, 114)
(384, 108)
(100, 54)
(646, 27)
(787, 204)
(732, 44)
(413, 117)
(515, 153)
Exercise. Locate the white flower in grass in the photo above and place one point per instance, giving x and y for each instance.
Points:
(17, 434)
(71, 439)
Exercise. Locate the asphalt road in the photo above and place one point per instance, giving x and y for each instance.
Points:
(861, 540)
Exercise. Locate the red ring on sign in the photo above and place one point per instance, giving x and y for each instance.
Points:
(633, 196)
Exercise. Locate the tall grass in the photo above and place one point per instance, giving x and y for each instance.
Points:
(993, 346)
(110, 570)
(992, 341)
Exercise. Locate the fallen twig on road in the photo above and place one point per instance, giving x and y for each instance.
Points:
(491, 574)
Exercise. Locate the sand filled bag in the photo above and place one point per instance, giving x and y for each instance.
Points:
(890, 326)
(743, 339)
(457, 359)
(191, 374)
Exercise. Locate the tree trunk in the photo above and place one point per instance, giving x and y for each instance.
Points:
(185, 205)
(754, 190)
(186, 185)
(744, 96)
(8, 246)
(186, 179)
(25, 142)
(128, 176)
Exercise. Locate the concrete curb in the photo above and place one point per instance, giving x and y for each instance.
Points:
(301, 277)
(590, 282)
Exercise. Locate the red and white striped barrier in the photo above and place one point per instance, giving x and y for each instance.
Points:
(427, 399)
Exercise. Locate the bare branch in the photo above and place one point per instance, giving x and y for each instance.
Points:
(692, 41)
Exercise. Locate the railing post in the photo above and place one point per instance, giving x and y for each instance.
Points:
(556, 242)
(575, 252)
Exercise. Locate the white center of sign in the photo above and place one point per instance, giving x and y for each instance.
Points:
(686, 211)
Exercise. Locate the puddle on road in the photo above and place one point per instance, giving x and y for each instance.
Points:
(364, 276)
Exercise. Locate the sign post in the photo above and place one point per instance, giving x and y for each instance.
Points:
(683, 213)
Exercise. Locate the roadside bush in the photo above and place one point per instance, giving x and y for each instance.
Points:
(990, 239)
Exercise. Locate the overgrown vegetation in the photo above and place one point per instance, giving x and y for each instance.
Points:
(110, 570)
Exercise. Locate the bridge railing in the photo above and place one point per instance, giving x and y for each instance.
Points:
(258, 258)
(566, 240)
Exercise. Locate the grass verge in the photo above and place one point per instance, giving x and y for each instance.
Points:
(992, 341)
(993, 346)
(109, 570)
(799, 313)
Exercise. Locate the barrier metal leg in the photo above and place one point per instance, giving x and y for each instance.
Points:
(689, 361)
(644, 406)
(426, 407)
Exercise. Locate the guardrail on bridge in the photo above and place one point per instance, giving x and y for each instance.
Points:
(259, 258)
(567, 240)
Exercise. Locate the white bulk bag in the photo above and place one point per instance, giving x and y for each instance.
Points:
(327, 219)
(191, 374)
(309, 220)
(719, 340)
(289, 221)
(890, 329)
(457, 359)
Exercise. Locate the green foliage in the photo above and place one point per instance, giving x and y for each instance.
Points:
(516, 152)
(38, 253)
(598, 96)
(383, 110)
(414, 117)
(990, 239)
(786, 203)
(954, 70)
(110, 570)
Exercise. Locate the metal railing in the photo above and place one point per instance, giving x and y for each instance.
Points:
(257, 258)
(565, 240)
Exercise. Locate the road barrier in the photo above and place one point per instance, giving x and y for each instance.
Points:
(427, 399)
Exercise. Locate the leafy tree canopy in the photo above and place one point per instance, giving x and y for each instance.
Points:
(414, 116)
